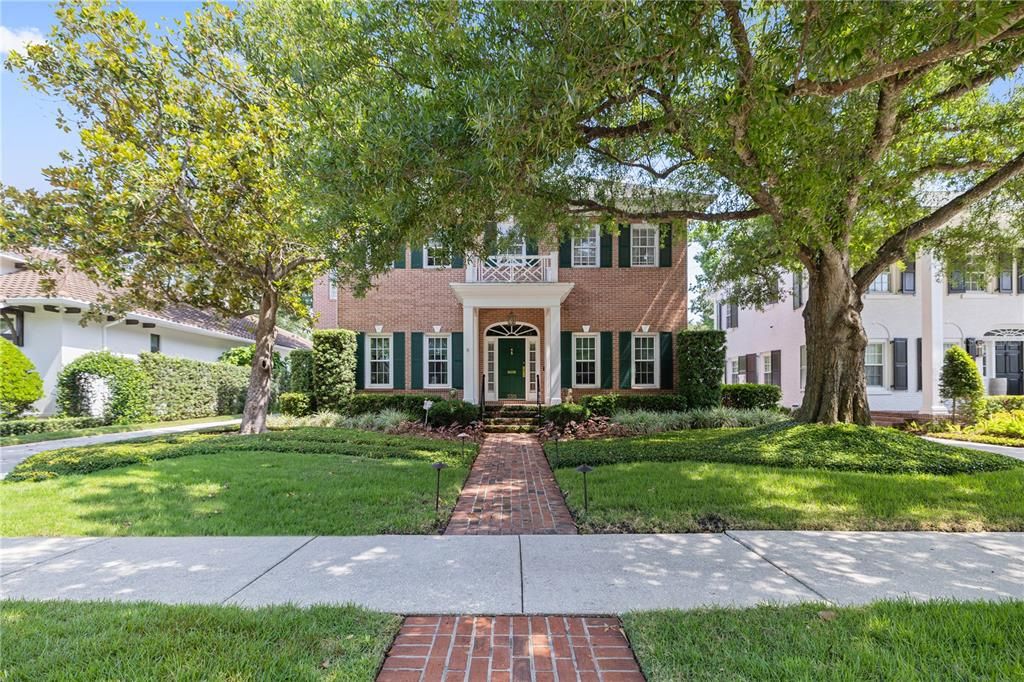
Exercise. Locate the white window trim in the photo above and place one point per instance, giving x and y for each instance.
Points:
(426, 256)
(803, 367)
(657, 362)
(426, 361)
(595, 233)
(884, 388)
(391, 361)
(634, 231)
(597, 360)
(332, 287)
(766, 368)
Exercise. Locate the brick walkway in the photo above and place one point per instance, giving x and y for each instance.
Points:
(511, 491)
(507, 648)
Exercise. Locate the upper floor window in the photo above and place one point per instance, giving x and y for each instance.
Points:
(332, 286)
(732, 315)
(798, 289)
(508, 244)
(12, 325)
(1004, 281)
(586, 249)
(584, 353)
(435, 256)
(379, 367)
(967, 277)
(645, 361)
(644, 246)
(882, 284)
(438, 362)
(908, 278)
(154, 343)
(874, 364)
(766, 368)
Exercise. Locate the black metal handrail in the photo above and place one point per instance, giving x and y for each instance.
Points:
(540, 412)
(483, 389)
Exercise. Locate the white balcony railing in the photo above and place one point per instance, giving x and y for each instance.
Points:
(508, 269)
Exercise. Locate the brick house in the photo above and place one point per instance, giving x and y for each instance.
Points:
(592, 314)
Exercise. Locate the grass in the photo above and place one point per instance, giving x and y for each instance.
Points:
(838, 448)
(302, 482)
(113, 428)
(142, 641)
(884, 641)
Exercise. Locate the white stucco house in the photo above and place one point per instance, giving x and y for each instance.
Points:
(48, 327)
(910, 316)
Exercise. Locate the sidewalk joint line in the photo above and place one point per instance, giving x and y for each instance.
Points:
(53, 558)
(522, 579)
(271, 568)
(778, 567)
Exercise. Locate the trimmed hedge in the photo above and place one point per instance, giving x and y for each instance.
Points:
(19, 427)
(560, 415)
(364, 403)
(296, 404)
(607, 404)
(701, 361)
(180, 388)
(20, 383)
(301, 366)
(751, 396)
(334, 368)
(448, 412)
(129, 398)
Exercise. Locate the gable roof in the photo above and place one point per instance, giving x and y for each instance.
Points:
(73, 287)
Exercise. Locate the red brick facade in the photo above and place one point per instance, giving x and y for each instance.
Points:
(608, 299)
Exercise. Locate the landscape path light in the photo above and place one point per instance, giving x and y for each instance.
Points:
(462, 444)
(438, 466)
(584, 469)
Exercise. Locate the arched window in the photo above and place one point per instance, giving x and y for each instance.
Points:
(512, 329)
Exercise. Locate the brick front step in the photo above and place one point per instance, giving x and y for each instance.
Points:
(524, 420)
(509, 428)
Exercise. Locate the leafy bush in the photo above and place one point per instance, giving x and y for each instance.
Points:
(751, 396)
(560, 415)
(448, 412)
(242, 357)
(334, 368)
(642, 422)
(301, 371)
(960, 378)
(1002, 424)
(128, 397)
(383, 421)
(19, 427)
(20, 383)
(701, 361)
(180, 388)
(296, 404)
(410, 403)
(607, 404)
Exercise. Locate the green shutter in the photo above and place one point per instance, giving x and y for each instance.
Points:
(400, 261)
(606, 359)
(567, 368)
(665, 339)
(416, 257)
(416, 366)
(624, 246)
(625, 360)
(531, 247)
(360, 359)
(665, 250)
(606, 251)
(458, 261)
(398, 355)
(565, 253)
(457, 352)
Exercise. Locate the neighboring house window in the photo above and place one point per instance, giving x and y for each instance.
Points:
(881, 285)
(874, 364)
(644, 251)
(908, 278)
(967, 277)
(766, 367)
(645, 361)
(798, 289)
(584, 353)
(438, 362)
(332, 287)
(1004, 282)
(732, 315)
(379, 367)
(738, 371)
(12, 325)
(154, 343)
(435, 256)
(803, 367)
(585, 250)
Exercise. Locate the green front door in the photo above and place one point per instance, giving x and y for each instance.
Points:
(512, 368)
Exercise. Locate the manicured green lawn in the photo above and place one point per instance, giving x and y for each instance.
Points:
(703, 480)
(885, 641)
(320, 481)
(107, 641)
(113, 428)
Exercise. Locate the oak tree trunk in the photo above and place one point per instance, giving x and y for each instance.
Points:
(836, 390)
(257, 399)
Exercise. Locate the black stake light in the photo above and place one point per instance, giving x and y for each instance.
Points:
(437, 490)
(584, 469)
(462, 444)
(558, 454)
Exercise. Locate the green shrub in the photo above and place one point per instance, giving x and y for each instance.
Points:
(19, 427)
(448, 412)
(383, 421)
(701, 361)
(180, 388)
(20, 383)
(334, 368)
(128, 399)
(301, 371)
(641, 422)
(560, 415)
(295, 404)
(751, 396)
(607, 404)
(1002, 425)
(242, 357)
(960, 378)
(410, 403)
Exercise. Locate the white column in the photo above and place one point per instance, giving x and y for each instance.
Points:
(471, 354)
(553, 353)
(932, 288)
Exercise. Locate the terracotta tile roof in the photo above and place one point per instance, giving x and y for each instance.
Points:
(76, 286)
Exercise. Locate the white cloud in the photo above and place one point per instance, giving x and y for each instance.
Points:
(18, 38)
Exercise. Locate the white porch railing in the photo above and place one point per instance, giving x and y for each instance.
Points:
(506, 269)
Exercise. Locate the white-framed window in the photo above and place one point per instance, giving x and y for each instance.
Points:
(435, 255)
(739, 375)
(379, 367)
(874, 364)
(437, 361)
(586, 250)
(507, 245)
(492, 366)
(881, 284)
(645, 361)
(585, 369)
(644, 246)
(803, 367)
(332, 286)
(766, 367)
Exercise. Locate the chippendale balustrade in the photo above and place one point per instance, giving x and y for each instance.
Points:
(505, 269)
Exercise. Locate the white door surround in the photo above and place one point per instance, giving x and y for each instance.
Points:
(500, 330)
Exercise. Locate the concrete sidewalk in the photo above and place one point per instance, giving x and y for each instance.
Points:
(589, 574)
(12, 455)
(1016, 453)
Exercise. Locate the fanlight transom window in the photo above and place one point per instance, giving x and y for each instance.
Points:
(512, 329)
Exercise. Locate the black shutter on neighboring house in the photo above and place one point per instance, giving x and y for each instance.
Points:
(667, 369)
(752, 369)
(624, 246)
(416, 257)
(567, 365)
(798, 289)
(920, 376)
(625, 360)
(400, 261)
(777, 367)
(457, 352)
(606, 250)
(665, 250)
(899, 364)
(734, 315)
(360, 359)
(565, 253)
(606, 359)
(718, 317)
(398, 359)
(417, 360)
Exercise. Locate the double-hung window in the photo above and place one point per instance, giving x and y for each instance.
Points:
(908, 278)
(874, 364)
(644, 246)
(645, 361)
(738, 371)
(1004, 281)
(584, 354)
(332, 286)
(438, 361)
(586, 249)
(12, 325)
(379, 366)
(154, 343)
(882, 284)
(435, 255)
(766, 367)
